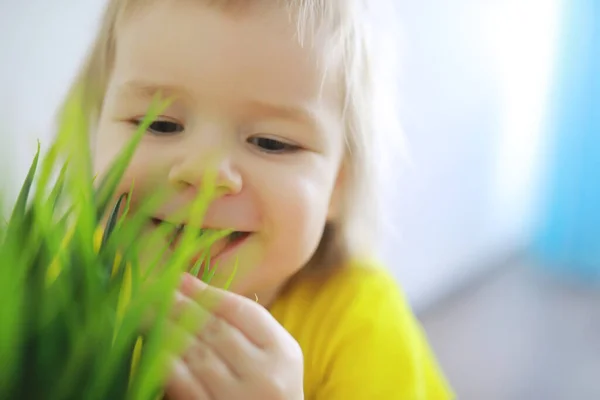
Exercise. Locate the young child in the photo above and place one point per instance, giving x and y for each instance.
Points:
(278, 96)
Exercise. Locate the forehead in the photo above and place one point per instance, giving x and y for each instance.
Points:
(224, 55)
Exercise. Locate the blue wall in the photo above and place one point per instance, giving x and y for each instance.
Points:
(568, 238)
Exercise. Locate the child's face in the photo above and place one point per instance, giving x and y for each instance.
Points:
(249, 101)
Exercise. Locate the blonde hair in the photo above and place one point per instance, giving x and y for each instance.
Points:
(355, 34)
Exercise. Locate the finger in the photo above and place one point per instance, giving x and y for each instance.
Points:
(182, 383)
(210, 371)
(253, 320)
(177, 340)
(205, 364)
(188, 314)
(234, 348)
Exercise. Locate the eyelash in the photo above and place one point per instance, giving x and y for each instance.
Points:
(263, 143)
(178, 127)
(283, 147)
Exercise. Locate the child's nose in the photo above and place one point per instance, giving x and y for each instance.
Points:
(195, 170)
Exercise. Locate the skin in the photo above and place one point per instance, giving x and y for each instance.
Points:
(251, 103)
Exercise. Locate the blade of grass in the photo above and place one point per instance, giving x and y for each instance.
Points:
(195, 270)
(112, 178)
(21, 203)
(112, 219)
(46, 170)
(57, 191)
(233, 274)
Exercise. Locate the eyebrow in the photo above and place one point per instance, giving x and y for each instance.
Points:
(289, 112)
(148, 90)
(295, 113)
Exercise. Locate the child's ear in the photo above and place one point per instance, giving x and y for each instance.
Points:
(337, 195)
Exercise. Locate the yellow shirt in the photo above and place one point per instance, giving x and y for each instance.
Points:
(359, 338)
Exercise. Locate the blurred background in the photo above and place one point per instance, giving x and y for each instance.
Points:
(496, 224)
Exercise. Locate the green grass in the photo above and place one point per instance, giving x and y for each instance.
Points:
(74, 295)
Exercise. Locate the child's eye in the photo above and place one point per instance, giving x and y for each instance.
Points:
(270, 145)
(163, 128)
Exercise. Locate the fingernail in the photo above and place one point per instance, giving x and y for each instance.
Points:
(188, 280)
(185, 278)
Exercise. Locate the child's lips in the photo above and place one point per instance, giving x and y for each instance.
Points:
(219, 250)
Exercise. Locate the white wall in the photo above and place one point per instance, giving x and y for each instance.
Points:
(474, 80)
(41, 46)
(473, 77)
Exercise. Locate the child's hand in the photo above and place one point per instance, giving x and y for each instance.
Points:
(241, 352)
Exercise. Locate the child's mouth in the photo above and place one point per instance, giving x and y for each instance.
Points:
(217, 249)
